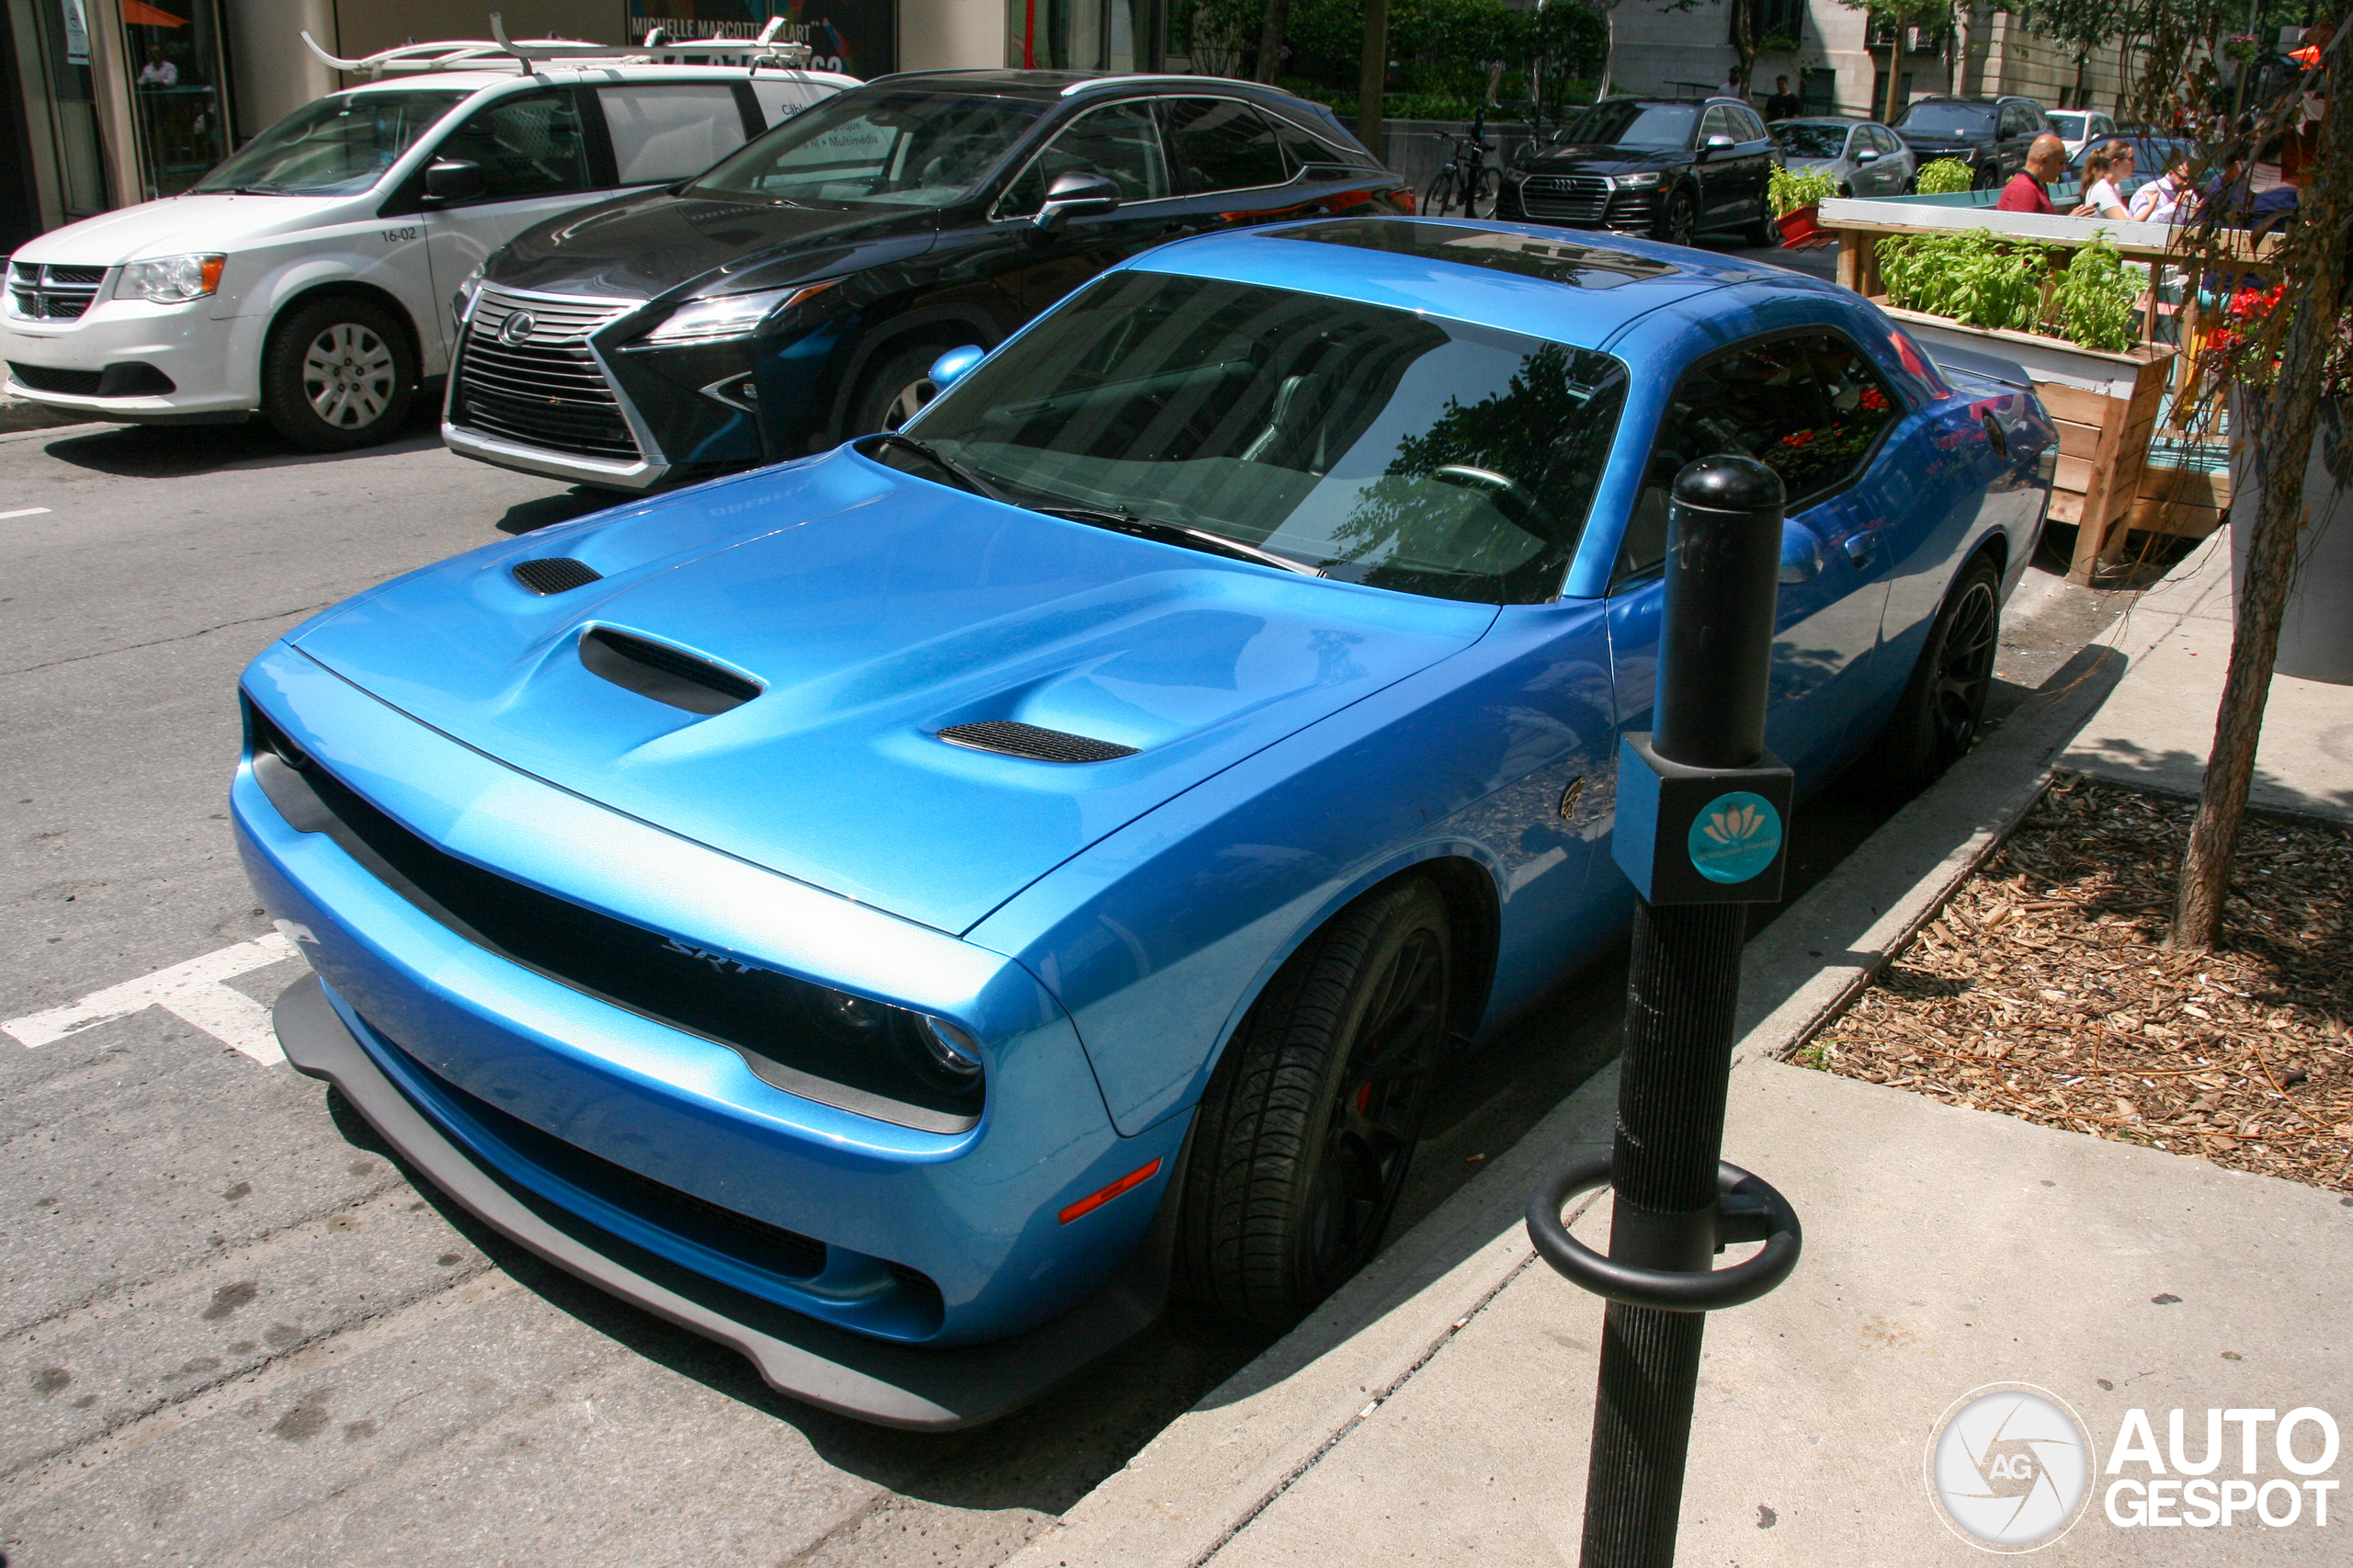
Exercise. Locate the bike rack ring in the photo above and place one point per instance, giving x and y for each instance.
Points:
(1747, 1208)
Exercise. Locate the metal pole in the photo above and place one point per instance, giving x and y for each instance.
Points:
(1700, 830)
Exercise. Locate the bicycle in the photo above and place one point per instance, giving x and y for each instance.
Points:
(1467, 177)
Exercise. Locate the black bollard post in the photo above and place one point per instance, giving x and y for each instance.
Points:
(1701, 809)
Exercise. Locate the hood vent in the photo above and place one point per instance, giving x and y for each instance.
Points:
(1010, 739)
(555, 574)
(663, 672)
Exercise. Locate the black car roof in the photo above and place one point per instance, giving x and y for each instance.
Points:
(1053, 86)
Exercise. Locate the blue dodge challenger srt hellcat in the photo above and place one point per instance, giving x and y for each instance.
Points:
(904, 911)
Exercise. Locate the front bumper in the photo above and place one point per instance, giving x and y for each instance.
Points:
(667, 1140)
(888, 1384)
(209, 361)
(603, 474)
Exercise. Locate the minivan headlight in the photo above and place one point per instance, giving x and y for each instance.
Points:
(729, 315)
(170, 280)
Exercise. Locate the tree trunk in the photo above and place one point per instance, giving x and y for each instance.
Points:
(1375, 75)
(2285, 433)
(1610, 52)
(1270, 40)
(1894, 58)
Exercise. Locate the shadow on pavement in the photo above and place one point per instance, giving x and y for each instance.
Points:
(174, 451)
(545, 511)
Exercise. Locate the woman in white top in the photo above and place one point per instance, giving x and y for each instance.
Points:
(2108, 167)
(2162, 200)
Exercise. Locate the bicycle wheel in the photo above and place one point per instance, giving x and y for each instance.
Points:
(1440, 194)
(1486, 192)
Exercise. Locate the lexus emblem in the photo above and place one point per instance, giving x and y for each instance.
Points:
(516, 327)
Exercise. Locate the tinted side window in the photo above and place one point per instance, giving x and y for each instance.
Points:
(1118, 142)
(1716, 123)
(664, 132)
(1221, 145)
(1750, 128)
(528, 144)
(1304, 151)
(1809, 407)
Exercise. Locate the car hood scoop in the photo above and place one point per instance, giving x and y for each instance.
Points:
(866, 612)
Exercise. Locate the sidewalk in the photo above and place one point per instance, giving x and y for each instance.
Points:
(1437, 1409)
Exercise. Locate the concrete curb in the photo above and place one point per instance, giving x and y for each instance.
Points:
(1215, 1469)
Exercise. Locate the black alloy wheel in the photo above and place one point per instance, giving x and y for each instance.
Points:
(894, 389)
(1679, 219)
(1943, 705)
(1308, 1126)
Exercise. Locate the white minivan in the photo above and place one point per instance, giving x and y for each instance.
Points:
(308, 277)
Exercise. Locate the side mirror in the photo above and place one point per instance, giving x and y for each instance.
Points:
(954, 366)
(1719, 142)
(453, 180)
(1868, 156)
(1077, 193)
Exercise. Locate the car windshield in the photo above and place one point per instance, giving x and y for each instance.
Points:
(338, 146)
(2068, 127)
(1623, 124)
(1800, 139)
(902, 149)
(1371, 445)
(1947, 120)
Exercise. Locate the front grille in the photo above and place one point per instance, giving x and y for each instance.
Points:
(1010, 739)
(808, 1040)
(555, 574)
(53, 293)
(544, 388)
(45, 378)
(1566, 198)
(663, 672)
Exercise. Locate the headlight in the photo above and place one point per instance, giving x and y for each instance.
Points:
(886, 1041)
(171, 281)
(1638, 182)
(464, 298)
(729, 315)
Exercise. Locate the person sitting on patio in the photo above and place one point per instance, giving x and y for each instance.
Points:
(2164, 198)
(2108, 167)
(2029, 188)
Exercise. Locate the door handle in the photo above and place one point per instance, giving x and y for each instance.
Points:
(1861, 547)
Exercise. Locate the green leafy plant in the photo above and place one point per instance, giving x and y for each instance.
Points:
(2097, 297)
(1945, 177)
(1793, 189)
(1972, 275)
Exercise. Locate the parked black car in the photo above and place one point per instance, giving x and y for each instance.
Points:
(797, 293)
(1671, 168)
(1991, 135)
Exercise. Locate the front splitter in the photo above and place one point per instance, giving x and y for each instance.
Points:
(891, 1385)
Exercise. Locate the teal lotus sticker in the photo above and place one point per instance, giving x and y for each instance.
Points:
(1734, 838)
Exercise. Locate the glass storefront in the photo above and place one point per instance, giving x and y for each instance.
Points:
(173, 49)
(857, 37)
(66, 115)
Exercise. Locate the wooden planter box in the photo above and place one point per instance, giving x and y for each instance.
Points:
(2106, 406)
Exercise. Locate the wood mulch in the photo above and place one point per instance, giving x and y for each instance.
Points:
(2043, 991)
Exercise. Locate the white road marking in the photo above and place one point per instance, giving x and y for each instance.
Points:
(23, 512)
(191, 992)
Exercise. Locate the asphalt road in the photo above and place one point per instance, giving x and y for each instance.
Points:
(233, 1330)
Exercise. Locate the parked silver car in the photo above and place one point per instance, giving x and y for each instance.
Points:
(1867, 158)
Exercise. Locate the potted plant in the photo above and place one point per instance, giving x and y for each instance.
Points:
(1797, 196)
(1943, 177)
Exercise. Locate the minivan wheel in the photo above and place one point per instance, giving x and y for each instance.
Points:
(339, 373)
(893, 390)
(1308, 1125)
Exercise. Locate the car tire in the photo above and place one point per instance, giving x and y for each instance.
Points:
(895, 388)
(1988, 177)
(1943, 705)
(339, 373)
(1303, 1139)
(1762, 230)
(1440, 194)
(1678, 220)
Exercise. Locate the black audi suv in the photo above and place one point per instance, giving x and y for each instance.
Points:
(797, 293)
(1671, 168)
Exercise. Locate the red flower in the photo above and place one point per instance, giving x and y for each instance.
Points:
(1874, 399)
(1798, 438)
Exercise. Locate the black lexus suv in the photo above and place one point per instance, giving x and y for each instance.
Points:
(1991, 135)
(1671, 168)
(796, 293)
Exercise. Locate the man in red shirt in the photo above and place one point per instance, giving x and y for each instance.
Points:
(2029, 188)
